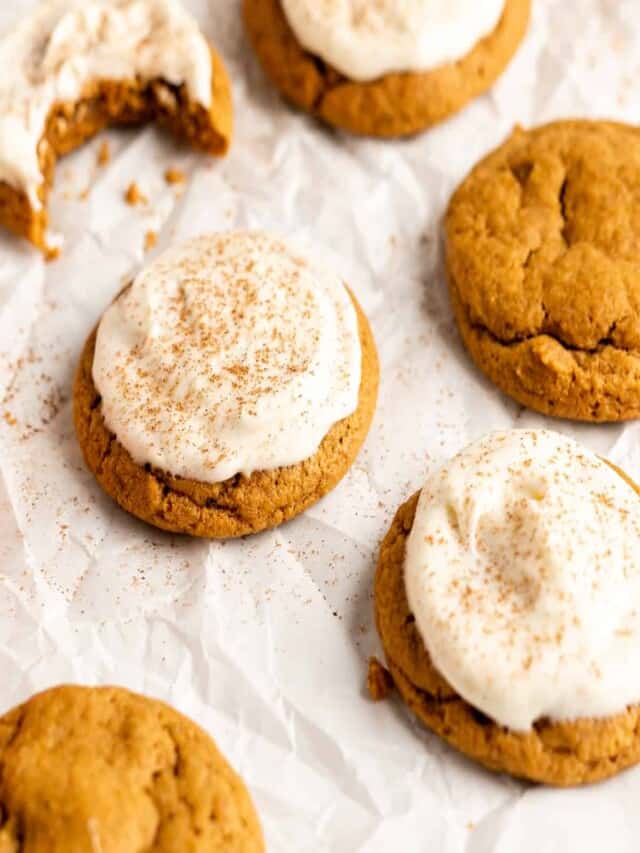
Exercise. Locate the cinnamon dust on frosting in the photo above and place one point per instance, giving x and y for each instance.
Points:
(522, 570)
(230, 353)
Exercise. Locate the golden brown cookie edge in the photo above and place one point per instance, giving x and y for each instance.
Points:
(24, 817)
(396, 104)
(562, 754)
(240, 505)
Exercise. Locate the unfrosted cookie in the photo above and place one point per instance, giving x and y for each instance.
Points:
(72, 67)
(89, 769)
(546, 749)
(542, 256)
(396, 103)
(227, 389)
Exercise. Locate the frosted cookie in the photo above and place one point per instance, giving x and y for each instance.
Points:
(89, 769)
(227, 389)
(507, 599)
(72, 67)
(542, 256)
(385, 68)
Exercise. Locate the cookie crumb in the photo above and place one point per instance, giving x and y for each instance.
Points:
(133, 196)
(104, 154)
(174, 176)
(150, 240)
(379, 680)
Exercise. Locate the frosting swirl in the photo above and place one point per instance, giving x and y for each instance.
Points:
(366, 39)
(523, 572)
(229, 353)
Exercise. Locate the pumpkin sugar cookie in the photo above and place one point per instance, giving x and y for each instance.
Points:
(73, 67)
(543, 243)
(507, 599)
(227, 389)
(89, 769)
(384, 68)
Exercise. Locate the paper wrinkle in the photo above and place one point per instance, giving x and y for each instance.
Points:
(265, 641)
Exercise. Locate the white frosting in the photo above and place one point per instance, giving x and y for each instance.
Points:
(366, 39)
(53, 54)
(523, 572)
(229, 353)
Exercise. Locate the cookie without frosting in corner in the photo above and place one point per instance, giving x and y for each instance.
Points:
(101, 768)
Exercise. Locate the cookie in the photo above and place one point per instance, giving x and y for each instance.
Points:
(396, 104)
(171, 75)
(542, 260)
(561, 753)
(100, 768)
(240, 502)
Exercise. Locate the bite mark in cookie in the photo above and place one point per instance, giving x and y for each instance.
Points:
(71, 68)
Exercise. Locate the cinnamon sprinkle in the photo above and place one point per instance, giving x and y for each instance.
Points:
(104, 153)
(174, 176)
(133, 196)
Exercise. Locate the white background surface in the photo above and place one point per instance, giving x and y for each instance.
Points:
(265, 641)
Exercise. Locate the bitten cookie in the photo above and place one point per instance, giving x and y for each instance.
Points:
(73, 67)
(88, 769)
(227, 389)
(506, 601)
(384, 69)
(542, 256)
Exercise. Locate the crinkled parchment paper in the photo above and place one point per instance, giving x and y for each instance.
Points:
(265, 641)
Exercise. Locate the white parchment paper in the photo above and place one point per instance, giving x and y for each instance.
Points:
(265, 641)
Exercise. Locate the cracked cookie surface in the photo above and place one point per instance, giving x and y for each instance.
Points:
(543, 260)
(241, 504)
(102, 769)
(556, 753)
(394, 105)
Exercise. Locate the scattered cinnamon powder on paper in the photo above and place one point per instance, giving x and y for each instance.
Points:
(174, 176)
(150, 240)
(133, 196)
